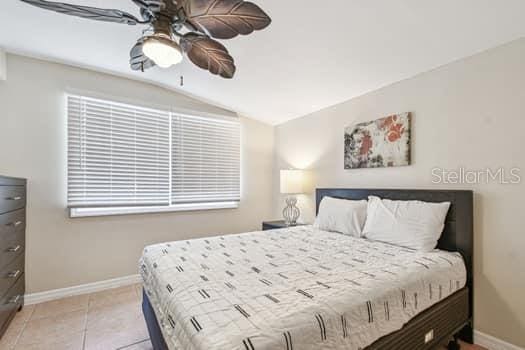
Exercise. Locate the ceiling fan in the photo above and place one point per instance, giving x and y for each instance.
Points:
(177, 27)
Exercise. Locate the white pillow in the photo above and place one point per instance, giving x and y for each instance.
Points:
(412, 224)
(341, 215)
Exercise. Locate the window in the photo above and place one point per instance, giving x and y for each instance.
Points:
(205, 160)
(127, 159)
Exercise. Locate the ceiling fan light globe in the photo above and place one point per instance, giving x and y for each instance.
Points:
(164, 52)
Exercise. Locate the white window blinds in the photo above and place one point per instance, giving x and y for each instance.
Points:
(126, 156)
(205, 159)
(118, 155)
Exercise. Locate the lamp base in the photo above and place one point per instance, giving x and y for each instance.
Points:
(291, 212)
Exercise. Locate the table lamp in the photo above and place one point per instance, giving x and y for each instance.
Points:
(292, 183)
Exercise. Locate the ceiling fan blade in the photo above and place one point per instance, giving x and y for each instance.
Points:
(138, 60)
(208, 54)
(224, 19)
(107, 15)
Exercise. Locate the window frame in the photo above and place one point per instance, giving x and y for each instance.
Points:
(101, 211)
(114, 211)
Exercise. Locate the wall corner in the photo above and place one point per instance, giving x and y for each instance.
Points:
(3, 65)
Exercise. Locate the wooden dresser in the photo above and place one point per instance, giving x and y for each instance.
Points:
(12, 248)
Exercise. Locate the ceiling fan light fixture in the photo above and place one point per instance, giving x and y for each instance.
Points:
(163, 51)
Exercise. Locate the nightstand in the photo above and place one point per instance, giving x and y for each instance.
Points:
(273, 225)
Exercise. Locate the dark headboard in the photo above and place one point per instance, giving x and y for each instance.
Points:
(458, 232)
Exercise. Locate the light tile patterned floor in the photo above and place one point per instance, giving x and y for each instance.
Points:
(108, 320)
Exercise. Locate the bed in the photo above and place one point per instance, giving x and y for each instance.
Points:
(302, 288)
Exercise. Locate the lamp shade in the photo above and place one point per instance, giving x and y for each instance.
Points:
(292, 181)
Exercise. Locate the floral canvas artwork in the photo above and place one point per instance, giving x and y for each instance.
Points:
(381, 143)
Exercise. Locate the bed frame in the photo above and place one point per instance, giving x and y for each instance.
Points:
(457, 236)
(451, 318)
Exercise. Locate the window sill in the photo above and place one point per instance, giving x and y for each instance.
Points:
(111, 211)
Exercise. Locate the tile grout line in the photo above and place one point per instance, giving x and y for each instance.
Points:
(18, 336)
(129, 345)
(89, 298)
(24, 324)
(84, 340)
(84, 334)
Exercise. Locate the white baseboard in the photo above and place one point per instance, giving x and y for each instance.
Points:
(493, 343)
(55, 294)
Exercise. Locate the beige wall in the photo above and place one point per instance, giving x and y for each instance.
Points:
(467, 114)
(64, 252)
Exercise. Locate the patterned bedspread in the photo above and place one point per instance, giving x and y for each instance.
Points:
(295, 288)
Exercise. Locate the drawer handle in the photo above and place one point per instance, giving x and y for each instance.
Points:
(14, 249)
(13, 274)
(15, 224)
(13, 198)
(14, 300)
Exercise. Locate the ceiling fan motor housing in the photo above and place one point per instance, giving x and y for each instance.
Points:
(162, 26)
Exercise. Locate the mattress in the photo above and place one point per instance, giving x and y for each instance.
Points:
(295, 288)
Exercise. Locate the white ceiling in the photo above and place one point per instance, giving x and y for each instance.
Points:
(315, 53)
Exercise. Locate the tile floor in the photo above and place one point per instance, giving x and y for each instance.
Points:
(108, 320)
(105, 320)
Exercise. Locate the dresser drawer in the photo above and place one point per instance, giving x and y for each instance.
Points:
(11, 302)
(13, 222)
(12, 236)
(12, 198)
(11, 273)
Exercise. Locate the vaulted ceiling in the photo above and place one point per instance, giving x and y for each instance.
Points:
(315, 53)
